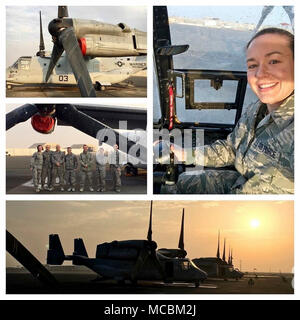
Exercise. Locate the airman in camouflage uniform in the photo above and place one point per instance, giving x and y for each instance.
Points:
(71, 164)
(261, 148)
(86, 161)
(115, 168)
(101, 169)
(47, 168)
(36, 165)
(58, 160)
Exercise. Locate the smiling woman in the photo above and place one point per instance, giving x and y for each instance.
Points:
(270, 63)
(261, 146)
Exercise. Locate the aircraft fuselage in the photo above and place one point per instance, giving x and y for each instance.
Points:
(105, 71)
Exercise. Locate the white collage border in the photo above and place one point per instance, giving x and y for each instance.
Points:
(149, 195)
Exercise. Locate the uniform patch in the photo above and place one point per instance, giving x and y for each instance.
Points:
(266, 150)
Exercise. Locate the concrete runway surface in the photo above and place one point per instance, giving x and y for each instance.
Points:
(135, 86)
(79, 280)
(19, 180)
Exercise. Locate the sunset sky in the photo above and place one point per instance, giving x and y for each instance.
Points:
(259, 232)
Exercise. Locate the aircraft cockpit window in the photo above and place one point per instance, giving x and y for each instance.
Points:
(185, 265)
(25, 64)
(15, 65)
(217, 37)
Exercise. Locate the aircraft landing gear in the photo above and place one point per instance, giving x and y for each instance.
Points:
(197, 283)
(131, 170)
(99, 87)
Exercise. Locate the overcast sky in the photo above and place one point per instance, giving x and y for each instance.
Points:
(243, 14)
(267, 246)
(22, 24)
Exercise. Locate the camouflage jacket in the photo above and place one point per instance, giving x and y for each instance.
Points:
(58, 156)
(47, 158)
(260, 147)
(86, 159)
(36, 160)
(115, 159)
(71, 162)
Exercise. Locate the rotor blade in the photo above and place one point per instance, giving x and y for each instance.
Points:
(20, 253)
(81, 121)
(62, 12)
(224, 257)
(42, 44)
(158, 265)
(265, 11)
(218, 250)
(181, 238)
(75, 58)
(139, 263)
(20, 114)
(55, 55)
(149, 236)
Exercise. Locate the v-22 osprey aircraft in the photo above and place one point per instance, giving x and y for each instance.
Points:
(122, 53)
(131, 260)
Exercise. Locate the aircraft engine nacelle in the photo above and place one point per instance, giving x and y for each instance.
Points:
(127, 43)
(127, 250)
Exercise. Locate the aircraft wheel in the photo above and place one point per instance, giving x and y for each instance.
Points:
(197, 283)
(98, 86)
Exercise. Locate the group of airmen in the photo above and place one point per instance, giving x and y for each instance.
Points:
(47, 165)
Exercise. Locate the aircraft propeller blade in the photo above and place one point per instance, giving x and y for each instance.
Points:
(55, 55)
(42, 44)
(149, 235)
(75, 58)
(20, 114)
(139, 263)
(81, 121)
(181, 237)
(25, 257)
(218, 250)
(62, 12)
(158, 265)
(64, 39)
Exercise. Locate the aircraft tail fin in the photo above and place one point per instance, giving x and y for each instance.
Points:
(79, 248)
(55, 254)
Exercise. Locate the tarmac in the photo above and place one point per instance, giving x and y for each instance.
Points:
(135, 86)
(19, 281)
(19, 180)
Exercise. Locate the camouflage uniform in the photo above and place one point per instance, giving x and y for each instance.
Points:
(261, 147)
(71, 164)
(101, 171)
(47, 168)
(58, 157)
(85, 159)
(36, 164)
(115, 168)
